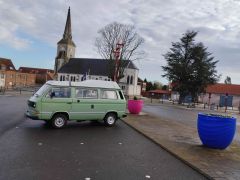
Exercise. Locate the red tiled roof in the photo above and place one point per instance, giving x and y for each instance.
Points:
(35, 70)
(159, 91)
(231, 89)
(8, 63)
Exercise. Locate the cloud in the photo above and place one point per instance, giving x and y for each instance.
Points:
(160, 22)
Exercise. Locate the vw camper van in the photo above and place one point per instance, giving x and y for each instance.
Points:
(58, 102)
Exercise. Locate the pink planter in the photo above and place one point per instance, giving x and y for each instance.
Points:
(135, 106)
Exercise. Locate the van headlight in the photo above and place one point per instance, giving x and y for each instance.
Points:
(31, 104)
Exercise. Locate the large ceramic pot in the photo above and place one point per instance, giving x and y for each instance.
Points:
(216, 131)
(135, 106)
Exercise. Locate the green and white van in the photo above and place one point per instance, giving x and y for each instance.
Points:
(57, 102)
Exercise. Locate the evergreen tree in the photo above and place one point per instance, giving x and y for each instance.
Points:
(228, 80)
(190, 66)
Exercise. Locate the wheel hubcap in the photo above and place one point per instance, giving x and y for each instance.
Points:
(59, 122)
(110, 120)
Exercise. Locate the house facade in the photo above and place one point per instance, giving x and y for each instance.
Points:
(219, 92)
(10, 77)
(69, 68)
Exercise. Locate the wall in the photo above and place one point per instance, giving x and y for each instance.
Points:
(16, 79)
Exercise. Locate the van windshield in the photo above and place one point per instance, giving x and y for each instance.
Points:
(43, 89)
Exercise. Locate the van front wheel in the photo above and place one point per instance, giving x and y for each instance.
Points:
(110, 119)
(59, 121)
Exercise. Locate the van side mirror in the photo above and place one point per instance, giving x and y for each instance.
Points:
(52, 94)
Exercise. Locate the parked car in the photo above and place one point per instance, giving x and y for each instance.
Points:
(58, 102)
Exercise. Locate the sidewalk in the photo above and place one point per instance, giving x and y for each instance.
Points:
(183, 142)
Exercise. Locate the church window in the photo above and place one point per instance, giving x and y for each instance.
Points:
(128, 78)
(131, 80)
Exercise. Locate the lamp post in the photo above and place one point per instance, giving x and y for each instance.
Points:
(226, 98)
(117, 54)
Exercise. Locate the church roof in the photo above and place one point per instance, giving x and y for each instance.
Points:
(95, 66)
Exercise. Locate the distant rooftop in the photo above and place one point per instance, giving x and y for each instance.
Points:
(231, 89)
(35, 70)
(6, 64)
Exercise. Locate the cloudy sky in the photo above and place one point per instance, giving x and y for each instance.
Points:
(29, 30)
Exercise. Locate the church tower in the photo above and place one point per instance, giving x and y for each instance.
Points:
(66, 46)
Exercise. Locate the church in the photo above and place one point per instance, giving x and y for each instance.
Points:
(69, 68)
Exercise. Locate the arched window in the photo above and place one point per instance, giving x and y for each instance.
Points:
(61, 78)
(128, 80)
(74, 78)
(131, 80)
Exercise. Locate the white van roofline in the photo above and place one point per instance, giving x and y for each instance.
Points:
(87, 83)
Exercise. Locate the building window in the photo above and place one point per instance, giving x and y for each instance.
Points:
(2, 76)
(128, 79)
(106, 79)
(131, 80)
(123, 87)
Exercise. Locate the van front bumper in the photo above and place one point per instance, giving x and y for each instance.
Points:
(124, 115)
(31, 116)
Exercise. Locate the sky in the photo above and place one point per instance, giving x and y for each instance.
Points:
(30, 30)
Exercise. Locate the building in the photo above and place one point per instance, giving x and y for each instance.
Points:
(79, 69)
(42, 75)
(66, 46)
(159, 94)
(10, 77)
(217, 93)
(69, 68)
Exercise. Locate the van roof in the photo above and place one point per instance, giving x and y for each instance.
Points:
(87, 83)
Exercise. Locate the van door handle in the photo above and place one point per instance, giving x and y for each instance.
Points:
(92, 106)
(69, 102)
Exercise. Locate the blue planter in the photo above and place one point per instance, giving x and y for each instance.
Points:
(216, 131)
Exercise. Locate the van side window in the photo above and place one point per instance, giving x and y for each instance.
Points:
(86, 93)
(60, 92)
(108, 94)
(121, 95)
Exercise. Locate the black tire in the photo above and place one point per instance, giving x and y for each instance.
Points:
(48, 123)
(59, 121)
(110, 119)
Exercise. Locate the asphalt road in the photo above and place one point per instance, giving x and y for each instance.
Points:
(88, 151)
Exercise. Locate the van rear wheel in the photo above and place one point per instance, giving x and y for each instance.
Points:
(59, 121)
(110, 119)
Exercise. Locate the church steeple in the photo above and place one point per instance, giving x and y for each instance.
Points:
(66, 46)
(68, 29)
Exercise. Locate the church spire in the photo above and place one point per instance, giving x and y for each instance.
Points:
(68, 30)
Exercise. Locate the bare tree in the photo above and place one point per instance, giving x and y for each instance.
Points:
(115, 33)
